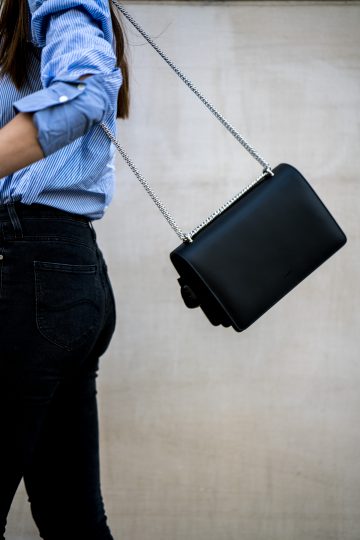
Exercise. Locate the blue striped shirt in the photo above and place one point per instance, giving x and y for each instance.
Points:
(72, 38)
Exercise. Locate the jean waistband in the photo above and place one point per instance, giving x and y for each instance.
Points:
(15, 213)
(38, 211)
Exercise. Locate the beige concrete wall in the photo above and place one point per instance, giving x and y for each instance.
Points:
(208, 434)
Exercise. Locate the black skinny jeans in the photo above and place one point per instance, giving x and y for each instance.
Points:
(57, 316)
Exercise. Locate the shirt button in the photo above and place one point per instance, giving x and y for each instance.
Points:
(1, 257)
(62, 99)
(81, 86)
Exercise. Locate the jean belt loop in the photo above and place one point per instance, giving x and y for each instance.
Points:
(15, 221)
(92, 230)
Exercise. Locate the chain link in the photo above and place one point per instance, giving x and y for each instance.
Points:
(185, 237)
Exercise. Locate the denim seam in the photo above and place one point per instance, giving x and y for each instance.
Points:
(62, 240)
(52, 218)
(1, 271)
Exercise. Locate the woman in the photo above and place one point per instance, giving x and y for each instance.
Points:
(62, 66)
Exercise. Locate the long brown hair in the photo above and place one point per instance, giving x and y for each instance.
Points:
(15, 47)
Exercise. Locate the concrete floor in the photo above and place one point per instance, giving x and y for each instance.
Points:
(208, 434)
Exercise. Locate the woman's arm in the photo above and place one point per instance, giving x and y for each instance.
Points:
(19, 145)
(63, 110)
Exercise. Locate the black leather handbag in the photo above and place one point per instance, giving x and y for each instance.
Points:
(258, 246)
(257, 250)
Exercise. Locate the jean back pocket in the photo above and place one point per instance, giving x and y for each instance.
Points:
(68, 309)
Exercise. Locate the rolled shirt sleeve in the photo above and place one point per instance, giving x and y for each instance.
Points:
(76, 39)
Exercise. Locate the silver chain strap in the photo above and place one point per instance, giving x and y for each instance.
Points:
(183, 236)
(186, 237)
(224, 122)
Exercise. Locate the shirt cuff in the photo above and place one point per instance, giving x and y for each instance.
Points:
(65, 110)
